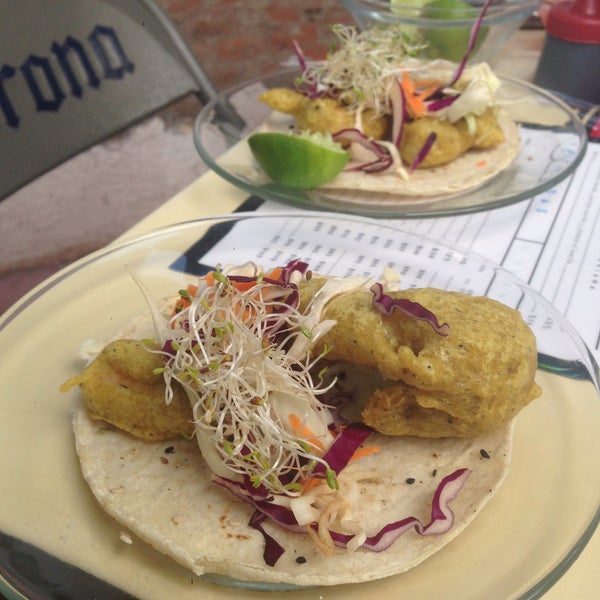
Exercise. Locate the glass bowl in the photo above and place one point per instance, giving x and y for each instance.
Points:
(54, 538)
(447, 36)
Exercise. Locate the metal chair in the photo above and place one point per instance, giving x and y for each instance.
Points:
(75, 72)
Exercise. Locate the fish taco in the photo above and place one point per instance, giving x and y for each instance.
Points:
(411, 127)
(231, 429)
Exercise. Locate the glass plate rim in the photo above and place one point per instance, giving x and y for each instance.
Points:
(302, 199)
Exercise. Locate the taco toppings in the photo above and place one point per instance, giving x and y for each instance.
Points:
(248, 363)
(402, 119)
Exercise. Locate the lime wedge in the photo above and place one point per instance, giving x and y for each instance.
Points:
(303, 161)
(405, 8)
(449, 43)
(407, 3)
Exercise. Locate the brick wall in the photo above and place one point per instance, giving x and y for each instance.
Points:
(239, 39)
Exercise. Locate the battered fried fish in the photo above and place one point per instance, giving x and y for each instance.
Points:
(121, 386)
(420, 382)
(464, 384)
(325, 115)
(452, 139)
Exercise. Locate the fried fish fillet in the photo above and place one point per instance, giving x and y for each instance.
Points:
(452, 139)
(464, 384)
(324, 115)
(421, 383)
(121, 386)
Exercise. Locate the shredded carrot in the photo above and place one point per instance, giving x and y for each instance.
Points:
(209, 278)
(241, 286)
(482, 163)
(425, 88)
(311, 482)
(415, 94)
(366, 451)
(414, 105)
(300, 430)
(274, 273)
(184, 300)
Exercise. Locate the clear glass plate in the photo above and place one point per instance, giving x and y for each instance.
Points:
(55, 540)
(553, 144)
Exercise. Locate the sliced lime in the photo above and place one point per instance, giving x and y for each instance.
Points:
(303, 161)
(404, 8)
(449, 43)
(407, 4)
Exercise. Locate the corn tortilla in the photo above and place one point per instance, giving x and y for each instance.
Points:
(168, 501)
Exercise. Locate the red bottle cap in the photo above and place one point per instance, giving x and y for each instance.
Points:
(575, 21)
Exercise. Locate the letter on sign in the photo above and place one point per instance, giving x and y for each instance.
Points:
(110, 53)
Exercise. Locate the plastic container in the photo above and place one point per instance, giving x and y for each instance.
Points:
(570, 60)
